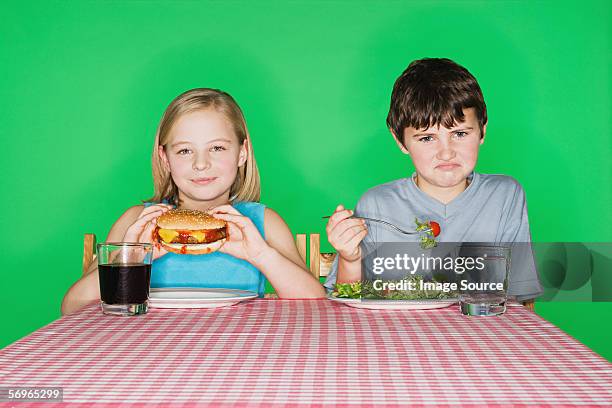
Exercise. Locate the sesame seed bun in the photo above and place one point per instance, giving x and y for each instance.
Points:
(189, 220)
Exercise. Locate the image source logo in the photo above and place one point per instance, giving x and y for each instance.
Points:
(406, 271)
(562, 272)
(413, 265)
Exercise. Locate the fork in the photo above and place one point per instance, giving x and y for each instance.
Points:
(395, 227)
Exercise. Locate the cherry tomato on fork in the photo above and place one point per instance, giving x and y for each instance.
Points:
(435, 228)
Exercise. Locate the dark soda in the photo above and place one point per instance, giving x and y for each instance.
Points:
(124, 284)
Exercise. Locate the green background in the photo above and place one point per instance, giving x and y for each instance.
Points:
(83, 86)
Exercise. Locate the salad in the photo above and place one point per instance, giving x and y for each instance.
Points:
(431, 230)
(365, 290)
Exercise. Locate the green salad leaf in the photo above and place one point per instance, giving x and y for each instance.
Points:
(365, 290)
(428, 239)
(348, 290)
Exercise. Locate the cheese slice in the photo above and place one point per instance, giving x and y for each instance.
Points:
(199, 235)
(167, 235)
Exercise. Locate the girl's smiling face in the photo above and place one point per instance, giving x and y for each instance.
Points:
(203, 155)
(444, 157)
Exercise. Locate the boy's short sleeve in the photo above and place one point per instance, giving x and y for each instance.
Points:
(524, 282)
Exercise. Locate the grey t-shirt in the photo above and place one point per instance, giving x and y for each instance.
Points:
(491, 209)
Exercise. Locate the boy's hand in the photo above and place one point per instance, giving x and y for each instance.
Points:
(345, 233)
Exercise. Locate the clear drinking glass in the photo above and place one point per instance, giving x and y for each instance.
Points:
(483, 290)
(125, 275)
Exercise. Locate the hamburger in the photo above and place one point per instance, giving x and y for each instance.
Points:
(189, 232)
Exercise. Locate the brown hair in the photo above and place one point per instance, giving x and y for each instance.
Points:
(433, 92)
(246, 186)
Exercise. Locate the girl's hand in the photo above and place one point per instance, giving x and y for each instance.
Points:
(141, 230)
(244, 240)
(345, 233)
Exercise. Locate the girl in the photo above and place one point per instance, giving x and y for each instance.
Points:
(203, 160)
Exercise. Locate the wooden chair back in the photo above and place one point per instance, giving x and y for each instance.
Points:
(89, 251)
(318, 263)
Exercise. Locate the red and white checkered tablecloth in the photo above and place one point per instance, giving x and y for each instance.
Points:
(307, 352)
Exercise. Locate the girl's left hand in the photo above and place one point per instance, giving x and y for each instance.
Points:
(244, 240)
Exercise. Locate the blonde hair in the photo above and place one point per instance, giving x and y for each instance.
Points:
(246, 186)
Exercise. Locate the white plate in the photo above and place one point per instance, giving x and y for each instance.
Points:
(395, 304)
(192, 298)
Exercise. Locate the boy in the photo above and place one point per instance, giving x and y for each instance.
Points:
(438, 116)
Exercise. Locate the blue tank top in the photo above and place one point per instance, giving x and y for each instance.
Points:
(216, 270)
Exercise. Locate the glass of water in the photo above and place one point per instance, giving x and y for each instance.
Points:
(483, 289)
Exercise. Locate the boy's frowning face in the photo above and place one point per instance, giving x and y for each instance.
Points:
(445, 157)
